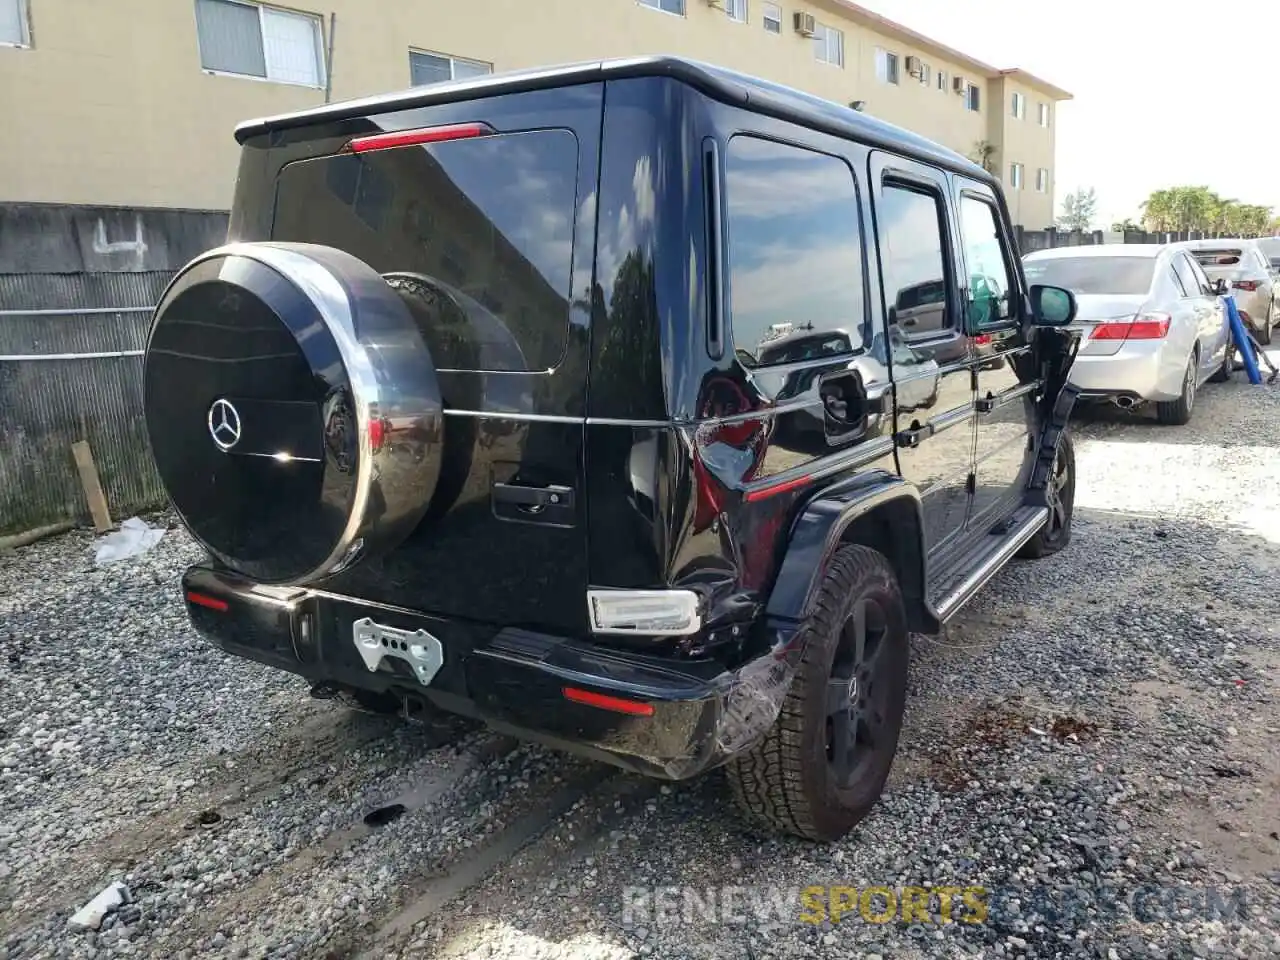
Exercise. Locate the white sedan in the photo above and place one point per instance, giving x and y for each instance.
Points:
(1153, 327)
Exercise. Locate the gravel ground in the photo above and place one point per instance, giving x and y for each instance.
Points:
(1104, 719)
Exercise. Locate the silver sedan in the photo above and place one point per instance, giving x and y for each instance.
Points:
(1153, 327)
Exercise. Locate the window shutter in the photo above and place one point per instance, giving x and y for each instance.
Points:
(230, 37)
(292, 44)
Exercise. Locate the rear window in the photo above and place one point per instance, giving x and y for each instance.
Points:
(1222, 263)
(1117, 276)
(479, 232)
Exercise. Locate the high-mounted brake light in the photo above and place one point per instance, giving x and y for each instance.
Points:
(1145, 326)
(409, 138)
(204, 600)
(633, 708)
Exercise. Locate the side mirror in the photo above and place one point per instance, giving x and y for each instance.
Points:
(1220, 287)
(1052, 306)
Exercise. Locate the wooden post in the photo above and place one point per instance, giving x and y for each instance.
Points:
(92, 486)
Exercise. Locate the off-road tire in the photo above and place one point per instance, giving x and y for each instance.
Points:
(785, 783)
(1176, 413)
(1052, 537)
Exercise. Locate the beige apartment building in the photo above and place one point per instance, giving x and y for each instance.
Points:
(133, 102)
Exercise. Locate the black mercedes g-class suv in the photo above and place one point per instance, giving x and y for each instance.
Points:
(640, 408)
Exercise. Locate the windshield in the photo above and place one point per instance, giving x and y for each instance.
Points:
(1116, 276)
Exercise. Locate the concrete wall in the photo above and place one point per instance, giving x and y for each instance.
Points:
(76, 288)
(126, 114)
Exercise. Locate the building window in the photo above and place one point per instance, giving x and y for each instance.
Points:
(942, 80)
(736, 10)
(425, 68)
(828, 45)
(1015, 176)
(973, 97)
(772, 18)
(252, 40)
(1042, 180)
(925, 74)
(13, 23)
(886, 66)
(667, 6)
(1019, 106)
(807, 302)
(1044, 114)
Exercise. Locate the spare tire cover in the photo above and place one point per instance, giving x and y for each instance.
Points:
(292, 408)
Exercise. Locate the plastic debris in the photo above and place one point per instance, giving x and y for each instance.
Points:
(91, 915)
(134, 538)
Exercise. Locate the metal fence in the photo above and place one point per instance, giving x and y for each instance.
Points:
(70, 372)
(1029, 240)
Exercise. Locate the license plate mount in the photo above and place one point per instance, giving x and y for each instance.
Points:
(375, 641)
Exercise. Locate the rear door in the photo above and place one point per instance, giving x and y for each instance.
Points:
(1211, 313)
(482, 223)
(929, 350)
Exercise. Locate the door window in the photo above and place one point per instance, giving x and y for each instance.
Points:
(910, 222)
(984, 256)
(1201, 278)
(1185, 270)
(795, 253)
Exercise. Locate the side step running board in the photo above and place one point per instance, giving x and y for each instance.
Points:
(1026, 524)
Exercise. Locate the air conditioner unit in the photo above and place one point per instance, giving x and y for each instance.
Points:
(718, 4)
(958, 84)
(806, 24)
(913, 66)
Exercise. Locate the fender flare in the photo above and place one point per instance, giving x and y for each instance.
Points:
(820, 530)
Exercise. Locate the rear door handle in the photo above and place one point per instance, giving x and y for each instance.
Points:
(551, 504)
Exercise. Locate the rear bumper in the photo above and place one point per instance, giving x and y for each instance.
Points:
(698, 714)
(1142, 370)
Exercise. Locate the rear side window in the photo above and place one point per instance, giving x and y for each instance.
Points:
(912, 257)
(794, 253)
(1088, 276)
(476, 234)
(1186, 275)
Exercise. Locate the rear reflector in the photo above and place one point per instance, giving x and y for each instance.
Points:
(1246, 285)
(632, 708)
(204, 600)
(1146, 326)
(409, 138)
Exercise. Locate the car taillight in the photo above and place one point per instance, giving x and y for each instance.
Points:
(1246, 285)
(1145, 326)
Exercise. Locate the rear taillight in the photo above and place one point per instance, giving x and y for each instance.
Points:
(1247, 285)
(1145, 326)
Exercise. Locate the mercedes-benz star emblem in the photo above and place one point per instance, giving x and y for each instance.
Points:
(224, 424)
